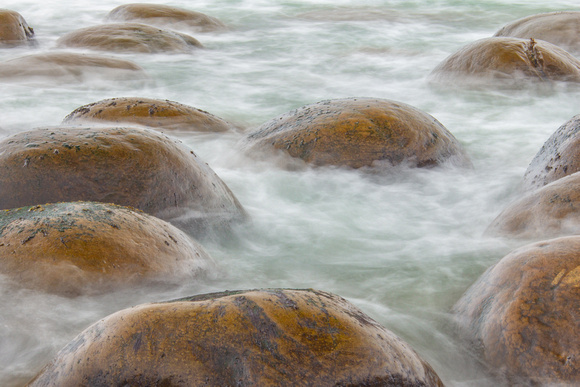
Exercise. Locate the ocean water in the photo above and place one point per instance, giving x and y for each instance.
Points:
(402, 246)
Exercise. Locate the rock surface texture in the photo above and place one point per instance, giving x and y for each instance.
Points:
(86, 248)
(14, 31)
(129, 37)
(155, 113)
(359, 132)
(166, 16)
(271, 337)
(133, 167)
(524, 311)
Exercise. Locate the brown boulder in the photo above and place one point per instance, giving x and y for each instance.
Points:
(545, 213)
(271, 337)
(133, 167)
(129, 37)
(524, 312)
(559, 28)
(60, 67)
(508, 60)
(166, 16)
(558, 156)
(155, 113)
(14, 30)
(359, 132)
(87, 247)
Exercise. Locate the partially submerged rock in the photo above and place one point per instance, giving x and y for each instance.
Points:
(63, 67)
(155, 113)
(558, 156)
(134, 167)
(359, 132)
(508, 61)
(523, 314)
(166, 16)
(559, 28)
(86, 247)
(129, 37)
(271, 337)
(14, 31)
(551, 211)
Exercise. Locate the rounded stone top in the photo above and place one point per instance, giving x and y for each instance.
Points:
(269, 337)
(166, 16)
(559, 28)
(129, 37)
(14, 31)
(359, 132)
(523, 314)
(557, 158)
(155, 113)
(509, 61)
(86, 248)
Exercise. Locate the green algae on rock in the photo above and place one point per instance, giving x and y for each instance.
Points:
(129, 37)
(166, 16)
(523, 313)
(162, 114)
(269, 337)
(133, 167)
(80, 248)
(359, 132)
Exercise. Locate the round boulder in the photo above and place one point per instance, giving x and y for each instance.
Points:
(166, 16)
(523, 313)
(129, 37)
(14, 30)
(558, 156)
(271, 337)
(509, 61)
(61, 67)
(559, 28)
(548, 212)
(133, 167)
(359, 132)
(155, 113)
(87, 247)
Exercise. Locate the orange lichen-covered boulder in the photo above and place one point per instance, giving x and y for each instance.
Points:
(558, 156)
(359, 132)
(551, 211)
(508, 60)
(14, 30)
(271, 337)
(129, 37)
(134, 167)
(63, 67)
(559, 28)
(88, 247)
(166, 16)
(156, 113)
(524, 312)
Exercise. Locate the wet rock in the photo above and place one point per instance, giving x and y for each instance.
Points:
(86, 247)
(133, 167)
(558, 156)
(166, 16)
(551, 211)
(508, 61)
(155, 113)
(523, 313)
(359, 132)
(14, 31)
(559, 28)
(61, 67)
(271, 337)
(129, 37)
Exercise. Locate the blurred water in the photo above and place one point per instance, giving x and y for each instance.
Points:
(401, 246)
